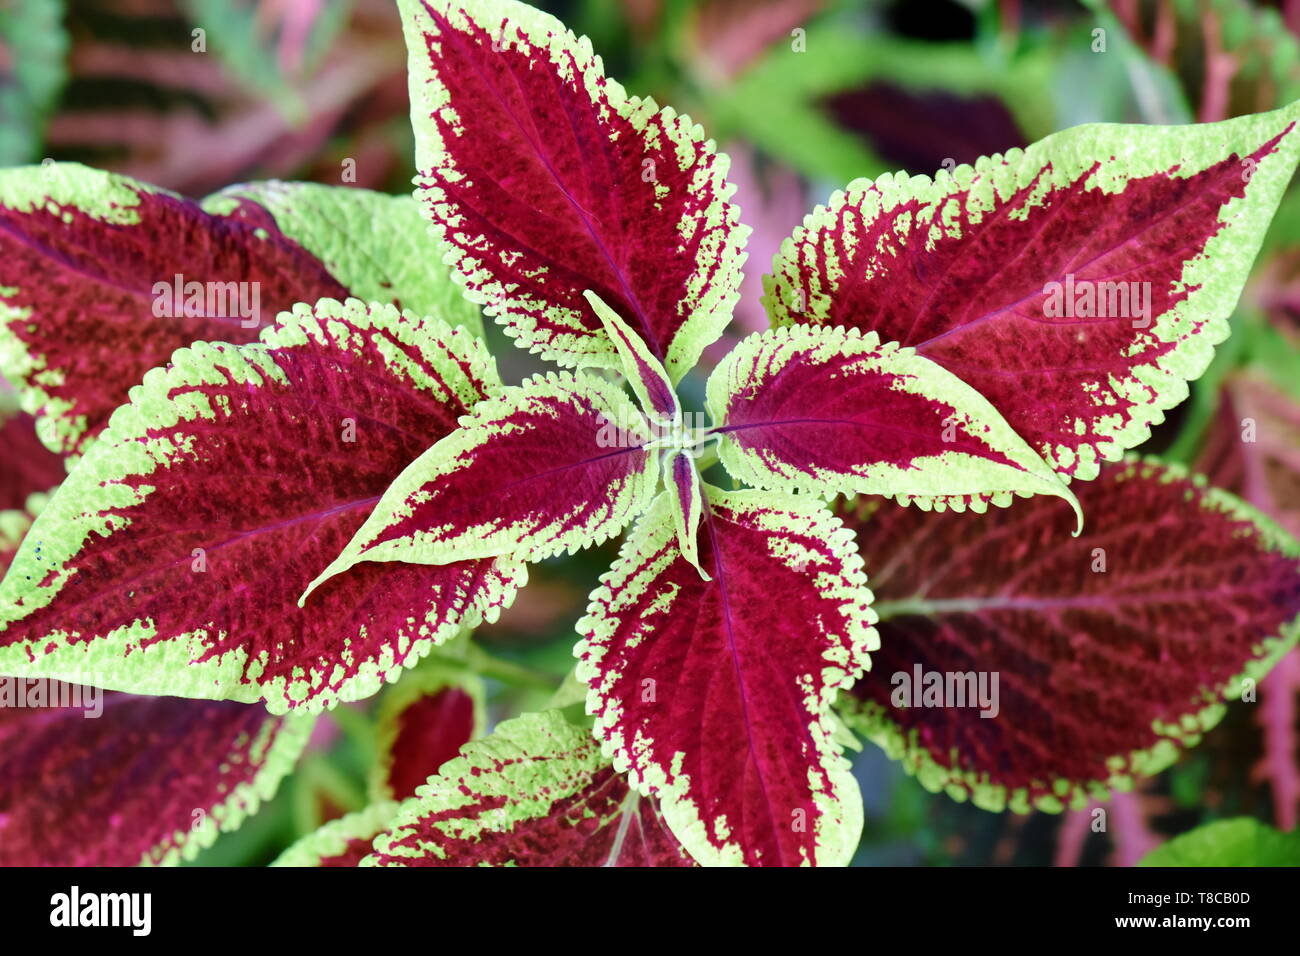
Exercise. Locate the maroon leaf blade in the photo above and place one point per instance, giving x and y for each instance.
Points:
(102, 277)
(1252, 449)
(922, 130)
(29, 467)
(424, 721)
(170, 560)
(682, 479)
(552, 466)
(89, 260)
(89, 778)
(535, 793)
(547, 180)
(1078, 285)
(1097, 658)
(830, 411)
(715, 697)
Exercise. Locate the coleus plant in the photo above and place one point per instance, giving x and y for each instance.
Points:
(293, 515)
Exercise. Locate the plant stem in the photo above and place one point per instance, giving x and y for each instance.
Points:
(708, 458)
(507, 672)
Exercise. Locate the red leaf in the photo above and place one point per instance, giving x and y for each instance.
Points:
(1252, 448)
(171, 559)
(535, 793)
(430, 732)
(1077, 285)
(921, 130)
(547, 180)
(552, 466)
(147, 780)
(424, 722)
(829, 410)
(1111, 650)
(80, 255)
(714, 696)
(28, 466)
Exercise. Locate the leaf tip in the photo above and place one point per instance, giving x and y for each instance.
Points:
(335, 568)
(1069, 496)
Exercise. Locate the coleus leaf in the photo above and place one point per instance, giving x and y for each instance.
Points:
(424, 720)
(546, 180)
(535, 793)
(377, 245)
(715, 697)
(1110, 651)
(996, 272)
(552, 466)
(683, 481)
(148, 780)
(170, 560)
(80, 254)
(649, 382)
(832, 410)
(342, 842)
(29, 466)
(88, 273)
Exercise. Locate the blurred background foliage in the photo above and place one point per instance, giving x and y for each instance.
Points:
(805, 95)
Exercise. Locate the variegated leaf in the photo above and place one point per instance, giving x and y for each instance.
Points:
(535, 793)
(103, 277)
(170, 560)
(377, 245)
(831, 410)
(89, 778)
(683, 481)
(546, 180)
(549, 467)
(1025, 669)
(342, 842)
(714, 695)
(647, 377)
(1077, 284)
(424, 720)
(14, 523)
